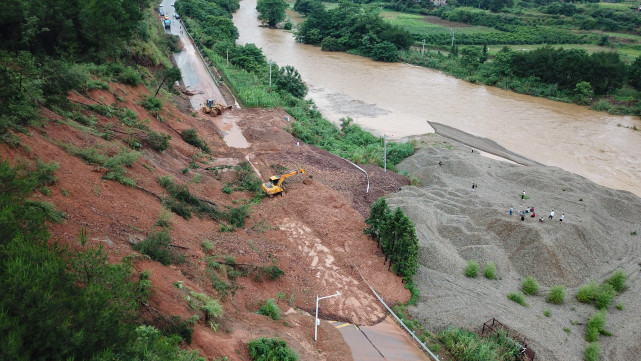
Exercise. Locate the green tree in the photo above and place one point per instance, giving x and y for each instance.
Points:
(378, 215)
(289, 80)
(169, 76)
(407, 251)
(385, 51)
(308, 6)
(634, 74)
(606, 72)
(271, 12)
(583, 92)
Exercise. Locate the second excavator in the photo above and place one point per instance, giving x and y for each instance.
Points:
(275, 184)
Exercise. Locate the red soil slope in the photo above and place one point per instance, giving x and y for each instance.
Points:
(313, 233)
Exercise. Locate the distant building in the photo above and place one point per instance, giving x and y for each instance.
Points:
(444, 2)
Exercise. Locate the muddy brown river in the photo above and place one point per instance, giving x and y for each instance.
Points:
(399, 99)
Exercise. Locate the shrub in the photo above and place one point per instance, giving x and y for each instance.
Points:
(617, 280)
(592, 352)
(270, 309)
(207, 245)
(604, 295)
(158, 141)
(596, 326)
(517, 297)
(270, 349)
(156, 246)
(490, 271)
(268, 272)
(530, 286)
(164, 219)
(190, 136)
(557, 295)
(152, 104)
(547, 313)
(467, 345)
(586, 293)
(129, 76)
(472, 269)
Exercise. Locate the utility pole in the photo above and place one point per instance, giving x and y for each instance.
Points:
(423, 51)
(452, 31)
(227, 56)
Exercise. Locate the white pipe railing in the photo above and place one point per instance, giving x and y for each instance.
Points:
(363, 170)
(396, 317)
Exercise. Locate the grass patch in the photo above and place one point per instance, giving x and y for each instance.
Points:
(620, 306)
(596, 327)
(152, 104)
(592, 352)
(547, 313)
(489, 271)
(517, 297)
(207, 245)
(191, 137)
(467, 345)
(604, 296)
(617, 281)
(271, 273)
(556, 295)
(271, 349)
(164, 219)
(472, 269)
(270, 309)
(115, 165)
(157, 247)
(530, 286)
(586, 293)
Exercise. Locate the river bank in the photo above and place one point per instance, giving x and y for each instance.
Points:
(398, 100)
(456, 223)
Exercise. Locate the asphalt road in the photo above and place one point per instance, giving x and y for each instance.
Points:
(193, 71)
(384, 341)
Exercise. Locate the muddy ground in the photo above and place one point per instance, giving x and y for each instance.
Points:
(313, 232)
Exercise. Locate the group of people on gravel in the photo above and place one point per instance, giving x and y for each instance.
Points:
(531, 212)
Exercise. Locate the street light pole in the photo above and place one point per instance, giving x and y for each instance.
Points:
(316, 321)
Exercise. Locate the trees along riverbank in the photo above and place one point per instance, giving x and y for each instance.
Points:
(248, 74)
(601, 79)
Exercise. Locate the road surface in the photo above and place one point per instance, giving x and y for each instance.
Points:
(384, 341)
(198, 80)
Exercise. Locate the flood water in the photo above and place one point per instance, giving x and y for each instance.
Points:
(398, 100)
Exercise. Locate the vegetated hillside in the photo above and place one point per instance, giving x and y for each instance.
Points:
(456, 223)
(118, 181)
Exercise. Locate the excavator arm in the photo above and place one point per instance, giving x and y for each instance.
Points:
(275, 184)
(292, 173)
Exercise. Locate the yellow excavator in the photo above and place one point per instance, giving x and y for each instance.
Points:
(275, 184)
(214, 109)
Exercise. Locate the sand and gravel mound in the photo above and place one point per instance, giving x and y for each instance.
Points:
(456, 223)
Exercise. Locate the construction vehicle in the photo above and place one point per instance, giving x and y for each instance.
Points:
(214, 109)
(275, 184)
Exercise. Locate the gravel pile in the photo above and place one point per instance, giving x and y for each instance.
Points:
(456, 223)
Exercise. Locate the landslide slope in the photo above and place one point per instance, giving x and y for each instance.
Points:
(456, 223)
(313, 233)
